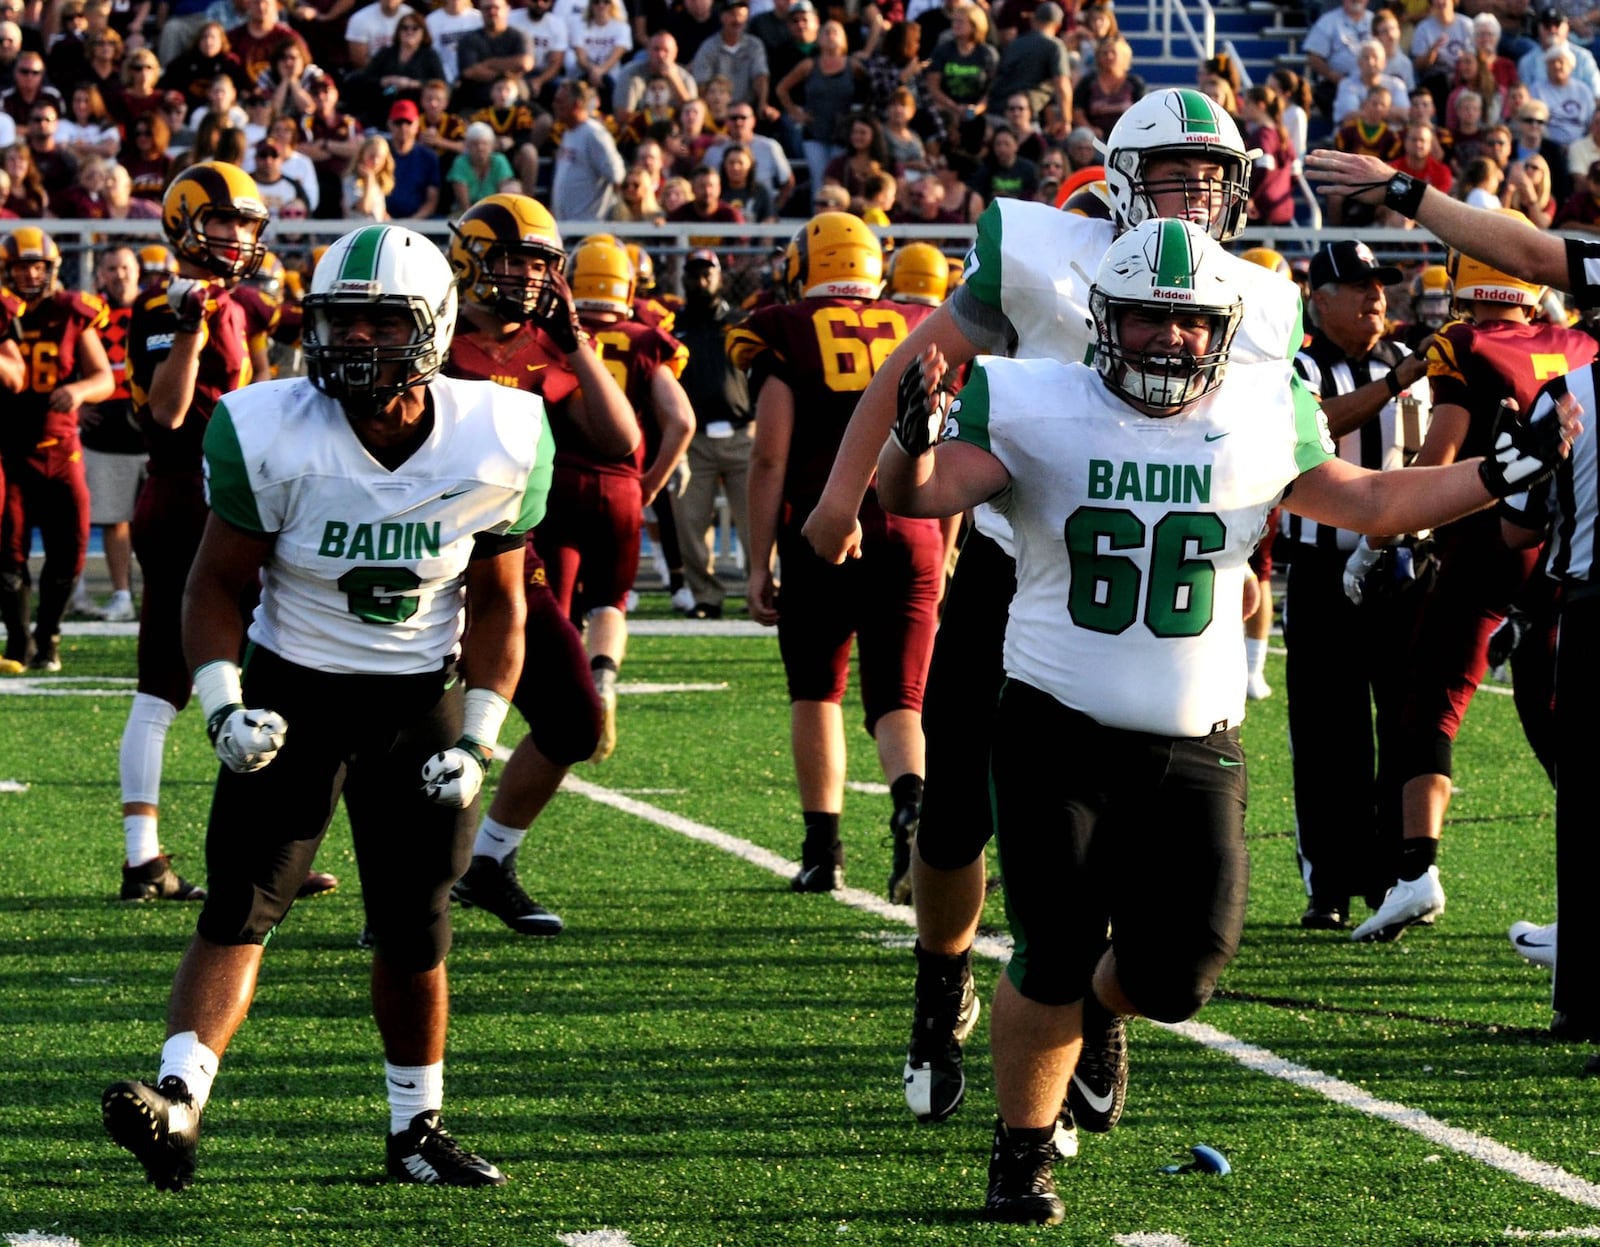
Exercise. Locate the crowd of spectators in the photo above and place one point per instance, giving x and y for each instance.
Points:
(1492, 112)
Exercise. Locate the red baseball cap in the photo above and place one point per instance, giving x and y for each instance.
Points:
(403, 110)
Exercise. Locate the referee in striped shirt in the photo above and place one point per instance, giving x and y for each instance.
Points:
(1565, 511)
(1347, 646)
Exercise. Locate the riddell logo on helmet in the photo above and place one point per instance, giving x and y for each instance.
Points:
(1491, 295)
(1171, 295)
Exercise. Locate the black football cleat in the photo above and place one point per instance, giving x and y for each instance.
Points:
(944, 1011)
(426, 1152)
(160, 1125)
(1099, 1086)
(155, 880)
(1022, 1183)
(494, 887)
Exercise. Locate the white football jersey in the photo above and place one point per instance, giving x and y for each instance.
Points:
(1027, 281)
(367, 570)
(1133, 534)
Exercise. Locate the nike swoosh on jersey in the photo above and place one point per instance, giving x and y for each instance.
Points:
(1216, 437)
(455, 493)
(536, 367)
(1099, 1103)
(1228, 762)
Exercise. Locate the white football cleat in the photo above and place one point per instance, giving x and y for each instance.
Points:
(1535, 943)
(1410, 901)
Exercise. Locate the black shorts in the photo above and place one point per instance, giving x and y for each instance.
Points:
(958, 709)
(366, 737)
(1099, 826)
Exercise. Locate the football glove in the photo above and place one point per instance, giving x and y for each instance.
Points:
(919, 414)
(246, 740)
(190, 298)
(1357, 568)
(1523, 454)
(454, 776)
(1503, 641)
(561, 320)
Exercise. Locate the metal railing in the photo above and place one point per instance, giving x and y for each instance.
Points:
(1170, 20)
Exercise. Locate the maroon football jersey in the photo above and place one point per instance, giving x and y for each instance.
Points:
(224, 367)
(51, 330)
(260, 312)
(631, 353)
(826, 350)
(526, 361)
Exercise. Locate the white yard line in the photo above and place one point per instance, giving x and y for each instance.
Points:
(596, 1238)
(1546, 1177)
(1149, 1240)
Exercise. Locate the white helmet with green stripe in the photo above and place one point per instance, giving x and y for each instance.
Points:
(1166, 271)
(1160, 130)
(402, 283)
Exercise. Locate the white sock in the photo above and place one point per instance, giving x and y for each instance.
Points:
(1255, 655)
(184, 1056)
(143, 740)
(496, 840)
(139, 835)
(412, 1089)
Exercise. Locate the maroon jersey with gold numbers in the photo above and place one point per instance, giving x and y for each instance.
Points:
(51, 330)
(631, 353)
(826, 351)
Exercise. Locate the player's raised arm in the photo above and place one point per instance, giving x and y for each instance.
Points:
(1533, 254)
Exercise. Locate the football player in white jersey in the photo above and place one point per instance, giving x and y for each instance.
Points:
(379, 505)
(1026, 290)
(1136, 490)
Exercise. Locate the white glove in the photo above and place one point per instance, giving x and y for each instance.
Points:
(1357, 567)
(455, 775)
(246, 740)
(190, 298)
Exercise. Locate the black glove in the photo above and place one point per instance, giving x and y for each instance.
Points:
(558, 316)
(918, 414)
(1504, 640)
(1523, 454)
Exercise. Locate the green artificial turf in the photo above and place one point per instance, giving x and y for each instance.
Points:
(705, 1058)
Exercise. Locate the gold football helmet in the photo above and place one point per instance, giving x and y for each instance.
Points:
(200, 196)
(1268, 259)
(1432, 293)
(493, 230)
(1477, 282)
(24, 247)
(835, 254)
(601, 276)
(919, 273)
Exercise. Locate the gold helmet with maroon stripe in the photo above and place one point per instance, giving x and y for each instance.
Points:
(834, 254)
(601, 276)
(204, 195)
(156, 261)
(493, 229)
(1478, 282)
(23, 248)
(919, 273)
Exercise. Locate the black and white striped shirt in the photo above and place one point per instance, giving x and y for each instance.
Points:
(1378, 444)
(1570, 499)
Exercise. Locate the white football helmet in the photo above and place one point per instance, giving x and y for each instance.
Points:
(1177, 122)
(1171, 268)
(378, 267)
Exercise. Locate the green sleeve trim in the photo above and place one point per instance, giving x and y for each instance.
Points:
(971, 410)
(983, 275)
(227, 481)
(1313, 444)
(1297, 332)
(538, 487)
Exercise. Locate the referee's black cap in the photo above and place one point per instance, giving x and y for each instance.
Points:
(1345, 261)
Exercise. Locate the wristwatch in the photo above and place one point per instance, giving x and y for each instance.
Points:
(1404, 194)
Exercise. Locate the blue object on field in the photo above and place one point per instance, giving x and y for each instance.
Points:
(1206, 1160)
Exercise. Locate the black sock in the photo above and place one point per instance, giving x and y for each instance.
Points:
(1416, 855)
(1029, 1136)
(906, 793)
(822, 838)
(943, 967)
(603, 663)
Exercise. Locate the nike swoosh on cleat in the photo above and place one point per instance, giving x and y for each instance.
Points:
(1099, 1103)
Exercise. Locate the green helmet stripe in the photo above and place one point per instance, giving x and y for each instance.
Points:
(1174, 264)
(1195, 111)
(361, 259)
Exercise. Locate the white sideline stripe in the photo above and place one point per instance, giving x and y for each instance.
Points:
(637, 689)
(1546, 1177)
(12, 785)
(1476, 1147)
(35, 1239)
(596, 1238)
(1149, 1240)
(1575, 1231)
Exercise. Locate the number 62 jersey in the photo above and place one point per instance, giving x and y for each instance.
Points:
(1134, 533)
(367, 569)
